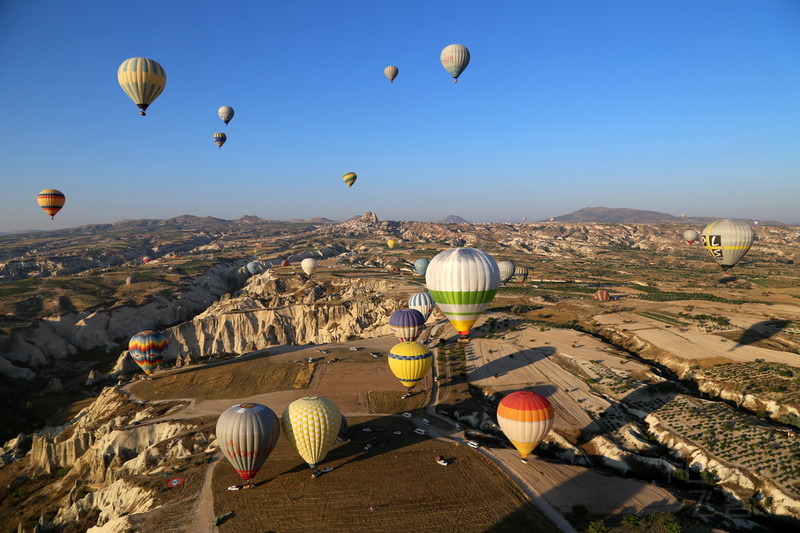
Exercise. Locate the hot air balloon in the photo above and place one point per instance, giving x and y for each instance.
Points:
(344, 432)
(463, 282)
(309, 265)
(391, 243)
(220, 138)
(690, 236)
(350, 178)
(526, 418)
(602, 295)
(385, 225)
(247, 434)
(311, 424)
(683, 216)
(285, 263)
(421, 265)
(130, 280)
(422, 302)
(51, 201)
(524, 219)
(455, 58)
(225, 113)
(253, 267)
(410, 362)
(407, 324)
(506, 270)
(391, 73)
(728, 241)
(146, 259)
(147, 348)
(520, 274)
(142, 80)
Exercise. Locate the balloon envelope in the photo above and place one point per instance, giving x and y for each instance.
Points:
(690, 236)
(142, 80)
(422, 302)
(421, 265)
(247, 434)
(407, 324)
(463, 282)
(350, 178)
(225, 113)
(602, 295)
(311, 424)
(253, 267)
(506, 270)
(309, 265)
(728, 241)
(391, 72)
(520, 274)
(220, 138)
(410, 362)
(147, 348)
(51, 201)
(455, 58)
(391, 243)
(526, 418)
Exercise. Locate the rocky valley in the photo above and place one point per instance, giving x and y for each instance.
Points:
(681, 396)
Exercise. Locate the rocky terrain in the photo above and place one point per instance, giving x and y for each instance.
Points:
(686, 378)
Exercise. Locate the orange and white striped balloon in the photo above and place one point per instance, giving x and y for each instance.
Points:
(526, 418)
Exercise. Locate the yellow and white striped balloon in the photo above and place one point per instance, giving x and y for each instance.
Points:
(312, 424)
(142, 80)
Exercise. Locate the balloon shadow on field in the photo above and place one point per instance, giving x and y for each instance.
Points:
(761, 331)
(509, 363)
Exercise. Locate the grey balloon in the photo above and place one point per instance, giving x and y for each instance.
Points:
(247, 434)
(506, 270)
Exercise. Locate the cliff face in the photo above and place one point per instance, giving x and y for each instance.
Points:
(274, 310)
(107, 448)
(59, 337)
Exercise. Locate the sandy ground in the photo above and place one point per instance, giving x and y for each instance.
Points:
(693, 343)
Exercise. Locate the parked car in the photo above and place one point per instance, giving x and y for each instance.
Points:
(419, 431)
(407, 414)
(473, 444)
(426, 421)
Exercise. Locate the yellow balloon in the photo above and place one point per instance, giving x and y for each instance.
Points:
(142, 80)
(410, 362)
(311, 424)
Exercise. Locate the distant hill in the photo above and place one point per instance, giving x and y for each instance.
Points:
(620, 215)
(453, 219)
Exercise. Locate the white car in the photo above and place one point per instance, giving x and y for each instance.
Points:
(397, 432)
(426, 421)
(473, 444)
(368, 446)
(419, 431)
(407, 414)
(368, 430)
(458, 427)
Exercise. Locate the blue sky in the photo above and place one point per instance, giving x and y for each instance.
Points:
(675, 106)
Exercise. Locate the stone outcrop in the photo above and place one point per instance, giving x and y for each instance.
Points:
(275, 311)
(59, 337)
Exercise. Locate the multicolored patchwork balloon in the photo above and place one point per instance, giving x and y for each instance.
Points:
(147, 348)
